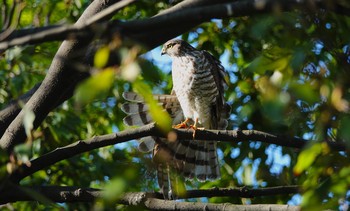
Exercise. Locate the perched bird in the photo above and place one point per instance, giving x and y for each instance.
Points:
(197, 101)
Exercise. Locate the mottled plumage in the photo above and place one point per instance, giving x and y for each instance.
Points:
(198, 95)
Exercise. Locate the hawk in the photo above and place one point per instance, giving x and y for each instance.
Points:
(197, 101)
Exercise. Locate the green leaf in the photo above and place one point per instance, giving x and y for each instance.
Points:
(114, 189)
(272, 59)
(23, 152)
(96, 85)
(101, 57)
(305, 92)
(307, 157)
(244, 86)
(160, 116)
(344, 129)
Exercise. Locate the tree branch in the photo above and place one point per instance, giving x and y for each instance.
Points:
(159, 204)
(243, 192)
(61, 79)
(78, 147)
(59, 194)
(63, 194)
(151, 130)
(191, 16)
(67, 31)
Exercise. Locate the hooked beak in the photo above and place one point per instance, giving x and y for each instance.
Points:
(163, 52)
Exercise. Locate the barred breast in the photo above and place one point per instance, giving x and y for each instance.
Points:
(195, 87)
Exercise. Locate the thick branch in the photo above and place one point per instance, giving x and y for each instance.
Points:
(62, 194)
(67, 31)
(151, 130)
(11, 111)
(159, 204)
(174, 17)
(61, 79)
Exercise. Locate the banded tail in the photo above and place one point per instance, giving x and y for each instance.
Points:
(189, 158)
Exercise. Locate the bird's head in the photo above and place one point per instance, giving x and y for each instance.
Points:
(176, 48)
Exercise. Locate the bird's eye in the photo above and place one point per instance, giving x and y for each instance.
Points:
(170, 45)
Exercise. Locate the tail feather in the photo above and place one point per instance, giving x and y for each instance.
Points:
(138, 119)
(163, 180)
(190, 158)
(133, 108)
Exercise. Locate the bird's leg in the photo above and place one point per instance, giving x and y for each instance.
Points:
(194, 127)
(182, 124)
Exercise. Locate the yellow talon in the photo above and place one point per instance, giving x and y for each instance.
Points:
(182, 124)
(194, 128)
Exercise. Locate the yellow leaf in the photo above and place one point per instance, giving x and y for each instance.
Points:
(101, 57)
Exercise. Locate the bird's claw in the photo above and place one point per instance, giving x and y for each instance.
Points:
(182, 125)
(195, 128)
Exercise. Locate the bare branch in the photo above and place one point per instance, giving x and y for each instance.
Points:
(78, 147)
(62, 194)
(243, 192)
(159, 204)
(14, 193)
(151, 130)
(12, 19)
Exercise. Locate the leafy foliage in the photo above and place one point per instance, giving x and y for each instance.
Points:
(288, 72)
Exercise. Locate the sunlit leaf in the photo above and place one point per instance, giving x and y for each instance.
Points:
(244, 86)
(28, 120)
(101, 57)
(307, 157)
(341, 181)
(247, 175)
(130, 71)
(95, 86)
(160, 116)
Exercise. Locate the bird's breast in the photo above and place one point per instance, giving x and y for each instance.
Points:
(194, 86)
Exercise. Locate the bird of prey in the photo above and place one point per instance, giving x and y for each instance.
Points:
(197, 101)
